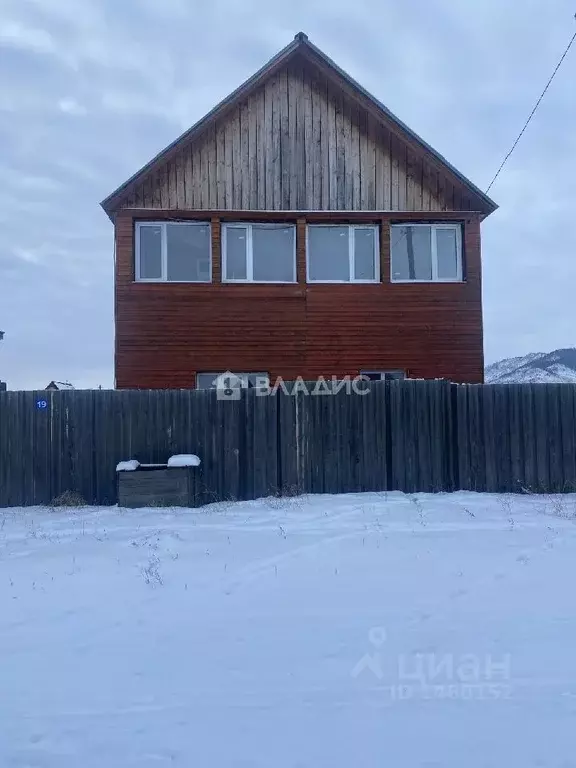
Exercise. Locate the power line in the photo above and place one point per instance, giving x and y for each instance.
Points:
(526, 124)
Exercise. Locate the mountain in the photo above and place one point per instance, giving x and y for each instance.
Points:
(556, 367)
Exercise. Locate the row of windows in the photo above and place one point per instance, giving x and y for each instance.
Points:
(266, 253)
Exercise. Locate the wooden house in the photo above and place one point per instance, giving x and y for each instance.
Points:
(298, 229)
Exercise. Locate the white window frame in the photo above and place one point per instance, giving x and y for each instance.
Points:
(457, 227)
(386, 375)
(247, 226)
(351, 230)
(164, 250)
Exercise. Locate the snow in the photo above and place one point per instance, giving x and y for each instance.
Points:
(503, 368)
(363, 630)
(178, 460)
(558, 367)
(184, 460)
(127, 466)
(563, 374)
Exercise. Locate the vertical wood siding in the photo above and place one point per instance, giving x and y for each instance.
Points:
(298, 143)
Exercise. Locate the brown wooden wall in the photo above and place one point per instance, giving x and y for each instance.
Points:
(166, 333)
(298, 142)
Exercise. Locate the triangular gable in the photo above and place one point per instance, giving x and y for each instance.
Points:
(299, 135)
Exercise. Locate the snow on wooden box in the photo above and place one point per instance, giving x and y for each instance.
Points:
(184, 460)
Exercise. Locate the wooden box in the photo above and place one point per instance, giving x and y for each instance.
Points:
(160, 486)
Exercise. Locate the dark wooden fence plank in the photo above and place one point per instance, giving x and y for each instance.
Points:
(516, 438)
(528, 437)
(501, 425)
(323, 443)
(62, 446)
(6, 471)
(424, 394)
(326, 461)
(409, 418)
(11, 488)
(373, 419)
(398, 479)
(287, 453)
(80, 409)
(542, 438)
(447, 417)
(568, 430)
(489, 430)
(381, 429)
(477, 437)
(556, 479)
(460, 398)
(313, 475)
(104, 437)
(260, 466)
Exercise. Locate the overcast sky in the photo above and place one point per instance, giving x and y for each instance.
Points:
(90, 90)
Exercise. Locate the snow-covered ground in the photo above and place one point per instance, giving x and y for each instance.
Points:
(356, 631)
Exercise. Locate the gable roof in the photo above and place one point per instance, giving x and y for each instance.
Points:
(300, 46)
(60, 385)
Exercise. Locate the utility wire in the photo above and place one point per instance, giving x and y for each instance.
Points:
(533, 111)
(526, 124)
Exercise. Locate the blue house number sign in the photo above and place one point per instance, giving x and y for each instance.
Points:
(41, 404)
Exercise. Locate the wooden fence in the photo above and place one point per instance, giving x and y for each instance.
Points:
(409, 436)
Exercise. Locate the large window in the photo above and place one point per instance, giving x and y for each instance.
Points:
(259, 253)
(176, 252)
(426, 252)
(343, 254)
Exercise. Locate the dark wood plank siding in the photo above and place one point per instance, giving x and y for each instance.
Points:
(166, 333)
(299, 142)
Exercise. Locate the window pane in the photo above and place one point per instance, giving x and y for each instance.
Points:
(151, 252)
(394, 375)
(188, 252)
(222, 379)
(236, 253)
(447, 250)
(259, 380)
(206, 380)
(364, 267)
(411, 253)
(383, 375)
(328, 257)
(244, 380)
(273, 256)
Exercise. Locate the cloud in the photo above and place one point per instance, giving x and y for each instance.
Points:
(71, 107)
(26, 255)
(26, 38)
